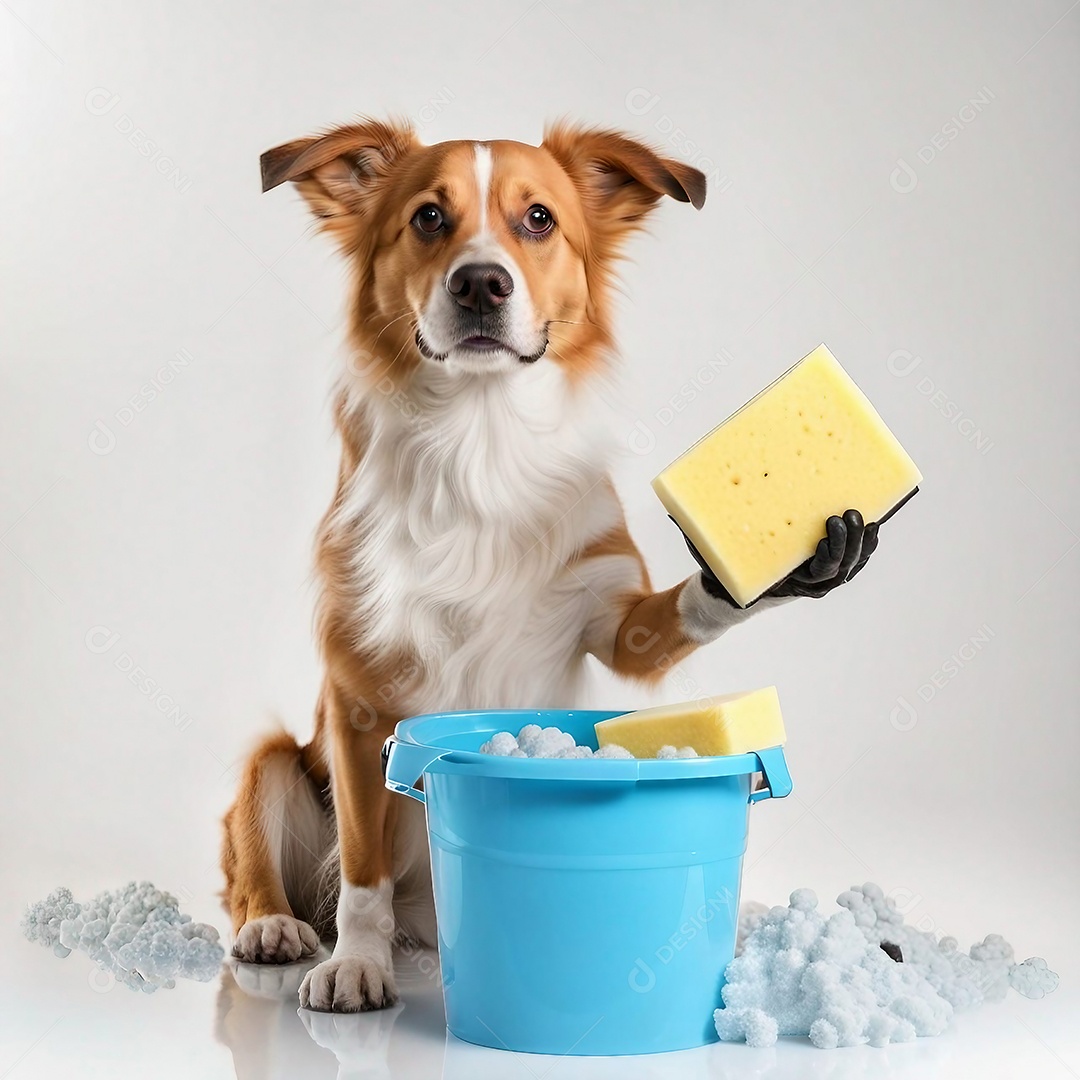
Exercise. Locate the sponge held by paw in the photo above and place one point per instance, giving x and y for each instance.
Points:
(752, 494)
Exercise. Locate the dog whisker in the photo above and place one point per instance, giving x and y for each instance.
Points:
(575, 322)
(404, 314)
(397, 356)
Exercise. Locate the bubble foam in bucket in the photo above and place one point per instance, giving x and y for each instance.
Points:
(584, 906)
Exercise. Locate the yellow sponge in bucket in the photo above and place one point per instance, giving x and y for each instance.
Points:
(725, 724)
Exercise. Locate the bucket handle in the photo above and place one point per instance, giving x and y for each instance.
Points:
(775, 772)
(404, 763)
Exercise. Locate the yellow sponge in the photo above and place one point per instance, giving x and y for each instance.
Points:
(726, 724)
(753, 495)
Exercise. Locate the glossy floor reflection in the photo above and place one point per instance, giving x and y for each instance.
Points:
(269, 1038)
(57, 1020)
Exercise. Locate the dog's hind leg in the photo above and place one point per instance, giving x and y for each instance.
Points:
(277, 835)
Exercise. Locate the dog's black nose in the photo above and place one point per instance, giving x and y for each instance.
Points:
(480, 287)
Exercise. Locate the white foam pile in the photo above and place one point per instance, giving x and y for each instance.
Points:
(828, 978)
(136, 934)
(533, 741)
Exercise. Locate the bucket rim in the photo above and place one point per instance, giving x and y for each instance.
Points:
(449, 759)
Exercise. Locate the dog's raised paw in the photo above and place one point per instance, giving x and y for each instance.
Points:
(275, 939)
(349, 984)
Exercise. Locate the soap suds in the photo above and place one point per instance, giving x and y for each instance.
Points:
(798, 972)
(533, 741)
(136, 935)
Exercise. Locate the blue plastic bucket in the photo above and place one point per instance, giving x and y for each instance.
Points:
(584, 907)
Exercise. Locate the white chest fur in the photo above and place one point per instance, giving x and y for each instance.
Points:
(474, 495)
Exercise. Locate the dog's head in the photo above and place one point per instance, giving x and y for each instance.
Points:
(479, 256)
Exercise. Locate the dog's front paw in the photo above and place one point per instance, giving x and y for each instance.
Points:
(275, 939)
(350, 984)
(840, 555)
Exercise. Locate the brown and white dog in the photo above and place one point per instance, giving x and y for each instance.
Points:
(475, 550)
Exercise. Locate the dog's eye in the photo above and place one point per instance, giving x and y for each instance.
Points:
(538, 220)
(429, 219)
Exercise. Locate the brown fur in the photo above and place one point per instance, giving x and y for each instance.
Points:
(253, 887)
(600, 186)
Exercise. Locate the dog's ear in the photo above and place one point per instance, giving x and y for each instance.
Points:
(339, 171)
(619, 178)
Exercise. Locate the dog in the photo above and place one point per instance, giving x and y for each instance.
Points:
(475, 550)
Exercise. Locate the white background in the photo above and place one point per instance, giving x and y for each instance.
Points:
(190, 538)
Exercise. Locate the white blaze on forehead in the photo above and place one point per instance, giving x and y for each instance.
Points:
(482, 167)
(440, 321)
